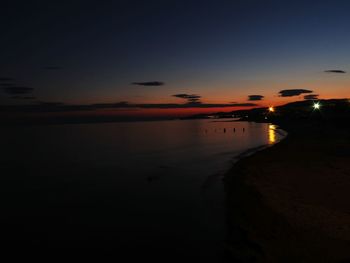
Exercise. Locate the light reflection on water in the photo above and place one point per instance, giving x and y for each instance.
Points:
(272, 134)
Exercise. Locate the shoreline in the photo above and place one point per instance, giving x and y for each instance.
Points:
(273, 216)
(257, 149)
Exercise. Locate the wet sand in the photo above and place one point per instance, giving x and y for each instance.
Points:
(290, 202)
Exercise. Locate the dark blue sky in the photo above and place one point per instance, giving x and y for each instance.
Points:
(91, 51)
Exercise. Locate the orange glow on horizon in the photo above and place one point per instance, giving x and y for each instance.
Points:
(177, 112)
(161, 112)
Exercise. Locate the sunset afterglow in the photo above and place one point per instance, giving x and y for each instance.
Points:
(211, 131)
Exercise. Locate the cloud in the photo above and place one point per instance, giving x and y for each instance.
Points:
(124, 104)
(335, 71)
(255, 97)
(6, 79)
(193, 105)
(191, 101)
(311, 97)
(121, 104)
(187, 96)
(293, 92)
(149, 83)
(17, 90)
(44, 103)
(191, 98)
(7, 84)
(61, 107)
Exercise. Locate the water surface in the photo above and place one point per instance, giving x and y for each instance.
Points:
(151, 187)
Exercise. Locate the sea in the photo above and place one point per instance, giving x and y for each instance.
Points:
(151, 189)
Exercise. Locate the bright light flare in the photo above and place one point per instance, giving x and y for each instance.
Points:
(316, 106)
(271, 109)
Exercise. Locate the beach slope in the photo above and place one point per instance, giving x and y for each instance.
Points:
(290, 202)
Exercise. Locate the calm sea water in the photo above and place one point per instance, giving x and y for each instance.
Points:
(154, 187)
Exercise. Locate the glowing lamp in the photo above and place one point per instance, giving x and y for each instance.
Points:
(316, 105)
(271, 109)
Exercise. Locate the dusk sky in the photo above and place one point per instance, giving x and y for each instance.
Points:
(132, 57)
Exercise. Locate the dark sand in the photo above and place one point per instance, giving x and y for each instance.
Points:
(291, 202)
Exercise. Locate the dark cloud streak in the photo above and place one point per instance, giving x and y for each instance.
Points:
(293, 92)
(191, 98)
(60, 107)
(335, 71)
(17, 90)
(311, 97)
(187, 96)
(149, 83)
(23, 97)
(6, 79)
(255, 97)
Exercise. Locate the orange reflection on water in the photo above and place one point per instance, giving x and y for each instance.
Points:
(272, 134)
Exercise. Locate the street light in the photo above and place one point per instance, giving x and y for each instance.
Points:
(316, 106)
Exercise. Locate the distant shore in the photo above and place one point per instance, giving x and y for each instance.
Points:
(290, 202)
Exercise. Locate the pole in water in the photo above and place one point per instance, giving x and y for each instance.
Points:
(243, 129)
(224, 130)
(234, 129)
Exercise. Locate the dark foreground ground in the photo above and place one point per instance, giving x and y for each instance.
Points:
(291, 202)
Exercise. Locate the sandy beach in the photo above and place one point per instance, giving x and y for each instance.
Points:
(290, 202)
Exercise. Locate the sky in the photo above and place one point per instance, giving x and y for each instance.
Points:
(159, 58)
